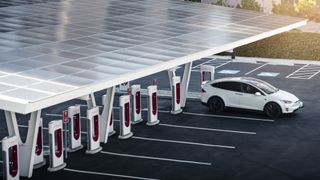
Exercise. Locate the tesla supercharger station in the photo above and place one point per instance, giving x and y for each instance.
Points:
(74, 128)
(56, 146)
(93, 135)
(136, 104)
(206, 69)
(176, 95)
(111, 124)
(152, 106)
(10, 155)
(39, 161)
(125, 123)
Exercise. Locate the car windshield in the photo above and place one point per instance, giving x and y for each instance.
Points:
(264, 86)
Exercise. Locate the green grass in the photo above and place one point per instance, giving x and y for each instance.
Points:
(289, 45)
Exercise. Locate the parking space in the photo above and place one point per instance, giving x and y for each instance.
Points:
(307, 71)
(276, 71)
(211, 61)
(197, 144)
(236, 69)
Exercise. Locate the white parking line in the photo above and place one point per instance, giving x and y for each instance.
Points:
(25, 126)
(314, 75)
(229, 117)
(45, 128)
(108, 174)
(190, 113)
(156, 158)
(221, 116)
(297, 70)
(223, 64)
(307, 71)
(116, 108)
(207, 129)
(60, 115)
(208, 61)
(183, 142)
(82, 117)
(162, 140)
(212, 62)
(84, 105)
(255, 69)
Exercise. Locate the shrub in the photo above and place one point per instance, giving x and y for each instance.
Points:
(303, 8)
(306, 8)
(284, 8)
(250, 5)
(222, 3)
(317, 18)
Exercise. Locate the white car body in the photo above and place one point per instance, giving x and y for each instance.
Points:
(254, 101)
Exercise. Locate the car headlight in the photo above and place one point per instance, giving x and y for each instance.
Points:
(286, 101)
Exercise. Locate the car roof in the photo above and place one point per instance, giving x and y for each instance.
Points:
(249, 80)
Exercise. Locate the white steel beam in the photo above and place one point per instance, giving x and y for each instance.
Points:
(106, 114)
(185, 83)
(12, 125)
(91, 101)
(27, 149)
(171, 74)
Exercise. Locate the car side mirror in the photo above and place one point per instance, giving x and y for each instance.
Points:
(258, 94)
(203, 83)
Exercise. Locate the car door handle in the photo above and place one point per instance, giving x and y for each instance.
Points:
(240, 94)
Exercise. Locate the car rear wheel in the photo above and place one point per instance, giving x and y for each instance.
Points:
(273, 110)
(216, 104)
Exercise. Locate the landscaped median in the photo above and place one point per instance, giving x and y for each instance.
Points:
(290, 45)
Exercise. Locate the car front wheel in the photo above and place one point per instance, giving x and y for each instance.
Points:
(273, 110)
(216, 104)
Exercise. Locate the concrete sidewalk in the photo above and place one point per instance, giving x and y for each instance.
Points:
(311, 27)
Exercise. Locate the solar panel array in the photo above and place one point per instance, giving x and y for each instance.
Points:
(50, 47)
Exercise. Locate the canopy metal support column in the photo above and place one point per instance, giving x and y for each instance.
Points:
(185, 83)
(171, 74)
(106, 114)
(27, 149)
(91, 101)
(12, 124)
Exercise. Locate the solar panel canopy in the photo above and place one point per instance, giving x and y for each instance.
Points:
(54, 51)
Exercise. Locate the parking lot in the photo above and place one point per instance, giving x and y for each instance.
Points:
(197, 144)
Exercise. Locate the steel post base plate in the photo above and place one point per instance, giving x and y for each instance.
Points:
(53, 169)
(153, 123)
(94, 151)
(127, 136)
(137, 121)
(176, 111)
(111, 133)
(39, 165)
(75, 149)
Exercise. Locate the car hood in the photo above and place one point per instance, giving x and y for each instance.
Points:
(284, 95)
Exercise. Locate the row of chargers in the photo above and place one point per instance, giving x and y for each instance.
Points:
(10, 145)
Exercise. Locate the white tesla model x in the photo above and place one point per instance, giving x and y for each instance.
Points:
(248, 93)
